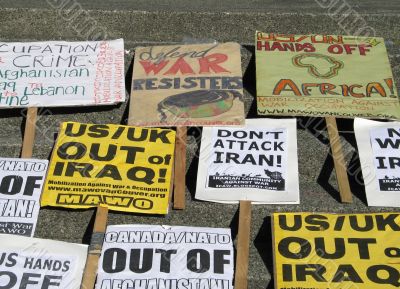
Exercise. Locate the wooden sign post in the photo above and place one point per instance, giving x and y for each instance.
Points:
(96, 243)
(243, 245)
(29, 132)
(338, 160)
(180, 168)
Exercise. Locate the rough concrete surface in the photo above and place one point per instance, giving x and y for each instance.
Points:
(156, 21)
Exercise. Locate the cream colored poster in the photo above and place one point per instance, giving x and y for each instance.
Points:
(187, 85)
(324, 75)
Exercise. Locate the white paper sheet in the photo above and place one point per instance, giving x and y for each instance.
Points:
(21, 182)
(59, 73)
(145, 256)
(257, 162)
(379, 150)
(38, 263)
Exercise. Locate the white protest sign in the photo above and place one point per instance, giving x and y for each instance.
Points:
(27, 263)
(59, 73)
(21, 182)
(161, 257)
(379, 150)
(257, 162)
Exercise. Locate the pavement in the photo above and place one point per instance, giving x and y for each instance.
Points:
(155, 21)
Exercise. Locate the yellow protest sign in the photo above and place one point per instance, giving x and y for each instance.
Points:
(324, 75)
(122, 167)
(343, 251)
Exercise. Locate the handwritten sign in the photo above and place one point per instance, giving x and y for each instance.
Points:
(38, 263)
(59, 73)
(324, 75)
(150, 257)
(21, 182)
(185, 85)
(122, 167)
(257, 162)
(379, 150)
(320, 251)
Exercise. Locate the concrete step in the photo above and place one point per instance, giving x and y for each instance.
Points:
(282, 6)
(145, 26)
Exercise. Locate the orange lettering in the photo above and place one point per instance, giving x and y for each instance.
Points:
(375, 87)
(282, 84)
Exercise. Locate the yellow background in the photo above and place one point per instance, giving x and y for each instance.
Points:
(160, 205)
(384, 239)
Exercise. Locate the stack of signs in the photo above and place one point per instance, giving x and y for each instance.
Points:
(122, 167)
(257, 162)
(58, 73)
(379, 150)
(21, 182)
(38, 263)
(324, 75)
(187, 85)
(140, 256)
(320, 251)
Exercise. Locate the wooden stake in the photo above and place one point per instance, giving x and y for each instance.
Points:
(338, 159)
(29, 133)
(243, 245)
(274, 253)
(180, 168)
(96, 243)
(171, 187)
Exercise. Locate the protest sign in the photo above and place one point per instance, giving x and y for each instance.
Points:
(59, 73)
(257, 162)
(379, 150)
(187, 85)
(324, 75)
(122, 167)
(329, 251)
(38, 263)
(157, 257)
(21, 182)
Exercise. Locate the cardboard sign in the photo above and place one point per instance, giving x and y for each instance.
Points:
(38, 263)
(257, 162)
(188, 85)
(59, 73)
(324, 75)
(21, 182)
(379, 150)
(320, 251)
(156, 257)
(122, 167)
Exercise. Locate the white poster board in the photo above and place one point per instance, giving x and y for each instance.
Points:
(145, 256)
(38, 263)
(379, 150)
(257, 163)
(59, 73)
(21, 182)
